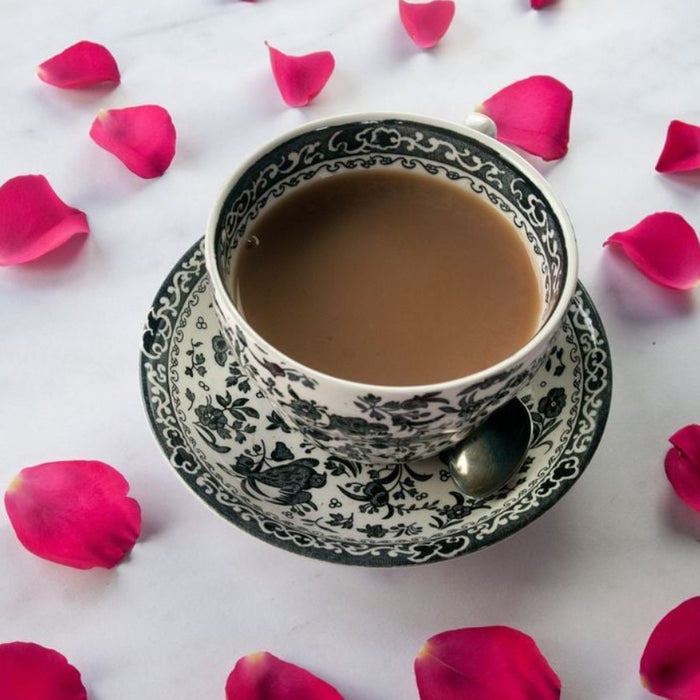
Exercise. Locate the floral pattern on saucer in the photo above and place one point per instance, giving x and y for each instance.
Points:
(236, 453)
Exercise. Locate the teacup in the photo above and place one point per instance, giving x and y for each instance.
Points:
(375, 423)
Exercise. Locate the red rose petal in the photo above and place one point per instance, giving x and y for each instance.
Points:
(300, 78)
(664, 247)
(262, 676)
(82, 65)
(539, 4)
(682, 465)
(29, 671)
(533, 114)
(484, 663)
(142, 137)
(33, 220)
(75, 513)
(670, 663)
(426, 22)
(681, 150)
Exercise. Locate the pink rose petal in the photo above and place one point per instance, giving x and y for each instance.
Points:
(300, 78)
(533, 114)
(484, 663)
(75, 513)
(539, 4)
(426, 22)
(262, 676)
(682, 465)
(670, 663)
(29, 671)
(664, 247)
(82, 65)
(33, 220)
(681, 150)
(142, 137)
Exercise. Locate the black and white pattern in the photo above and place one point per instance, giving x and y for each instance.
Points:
(373, 427)
(397, 143)
(232, 448)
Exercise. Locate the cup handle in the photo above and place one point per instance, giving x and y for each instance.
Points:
(482, 123)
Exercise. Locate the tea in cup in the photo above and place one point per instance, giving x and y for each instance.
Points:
(388, 281)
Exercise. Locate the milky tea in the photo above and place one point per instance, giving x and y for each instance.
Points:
(388, 277)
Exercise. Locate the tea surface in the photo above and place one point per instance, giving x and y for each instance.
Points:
(387, 277)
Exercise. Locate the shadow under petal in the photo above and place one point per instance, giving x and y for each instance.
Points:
(62, 256)
(637, 297)
(681, 518)
(685, 183)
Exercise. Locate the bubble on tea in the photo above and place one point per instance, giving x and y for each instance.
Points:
(252, 242)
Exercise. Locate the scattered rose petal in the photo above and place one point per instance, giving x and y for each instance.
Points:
(29, 671)
(484, 663)
(664, 247)
(75, 513)
(670, 663)
(682, 465)
(681, 150)
(533, 114)
(300, 78)
(142, 137)
(262, 676)
(82, 65)
(539, 4)
(426, 22)
(33, 220)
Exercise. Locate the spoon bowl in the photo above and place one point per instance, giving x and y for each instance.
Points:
(484, 462)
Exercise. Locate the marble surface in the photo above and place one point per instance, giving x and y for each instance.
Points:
(588, 580)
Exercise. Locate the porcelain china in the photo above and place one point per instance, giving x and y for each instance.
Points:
(384, 424)
(237, 454)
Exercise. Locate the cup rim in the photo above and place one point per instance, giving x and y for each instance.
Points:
(505, 152)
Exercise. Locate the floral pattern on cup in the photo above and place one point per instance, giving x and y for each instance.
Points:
(358, 422)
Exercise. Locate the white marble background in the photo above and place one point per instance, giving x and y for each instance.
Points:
(588, 580)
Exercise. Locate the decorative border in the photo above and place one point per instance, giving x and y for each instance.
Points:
(402, 143)
(465, 526)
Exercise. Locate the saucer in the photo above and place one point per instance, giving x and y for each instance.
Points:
(237, 454)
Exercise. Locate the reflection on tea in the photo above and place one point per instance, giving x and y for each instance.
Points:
(387, 277)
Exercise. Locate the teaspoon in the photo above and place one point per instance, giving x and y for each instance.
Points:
(483, 462)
